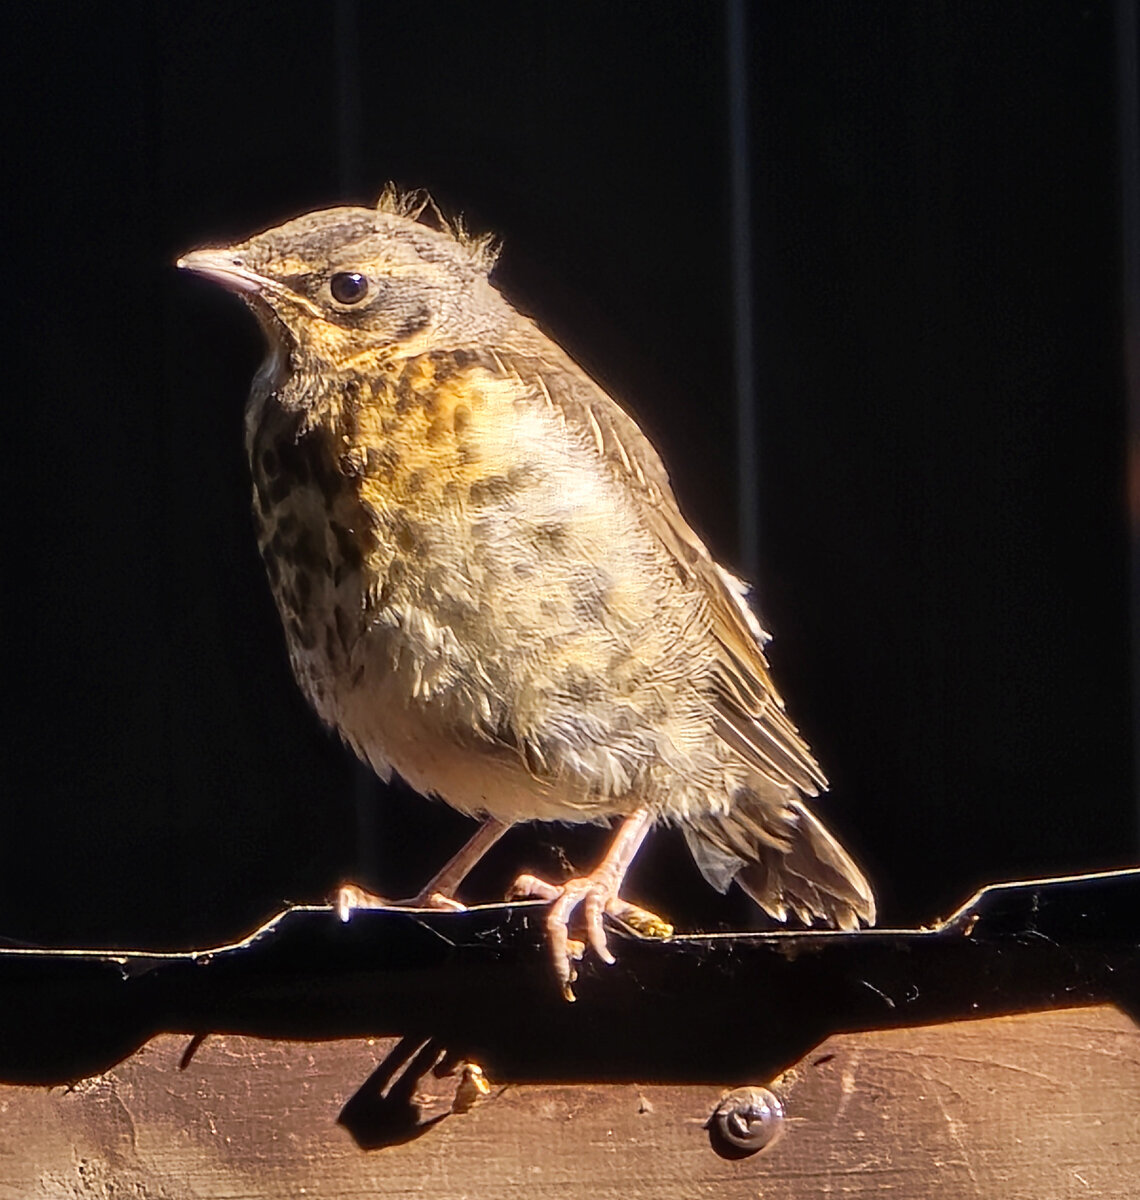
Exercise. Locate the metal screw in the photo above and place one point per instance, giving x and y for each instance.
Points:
(746, 1120)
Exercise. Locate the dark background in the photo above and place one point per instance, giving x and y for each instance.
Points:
(938, 270)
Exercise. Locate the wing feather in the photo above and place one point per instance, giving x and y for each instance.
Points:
(750, 711)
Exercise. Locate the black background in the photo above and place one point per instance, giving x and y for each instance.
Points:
(937, 227)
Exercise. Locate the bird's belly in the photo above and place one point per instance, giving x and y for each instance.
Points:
(475, 776)
(536, 702)
(409, 691)
(523, 651)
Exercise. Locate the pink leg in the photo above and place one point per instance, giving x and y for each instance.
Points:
(438, 891)
(596, 893)
(457, 868)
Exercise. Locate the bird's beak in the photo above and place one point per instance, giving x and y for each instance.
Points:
(226, 267)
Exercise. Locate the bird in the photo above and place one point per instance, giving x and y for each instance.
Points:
(487, 585)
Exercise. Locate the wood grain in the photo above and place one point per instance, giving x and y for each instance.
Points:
(1039, 1106)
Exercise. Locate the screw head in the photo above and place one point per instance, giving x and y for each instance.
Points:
(746, 1120)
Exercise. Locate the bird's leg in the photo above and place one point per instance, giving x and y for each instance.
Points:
(596, 893)
(456, 869)
(438, 892)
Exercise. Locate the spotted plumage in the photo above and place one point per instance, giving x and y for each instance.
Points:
(484, 577)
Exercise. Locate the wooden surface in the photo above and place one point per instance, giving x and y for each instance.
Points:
(1039, 1106)
(751, 1004)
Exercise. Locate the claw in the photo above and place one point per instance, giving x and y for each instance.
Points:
(575, 950)
(594, 896)
(437, 891)
(530, 887)
(437, 900)
(349, 897)
(593, 906)
(560, 952)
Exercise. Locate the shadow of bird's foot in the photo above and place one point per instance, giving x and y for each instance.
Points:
(391, 1108)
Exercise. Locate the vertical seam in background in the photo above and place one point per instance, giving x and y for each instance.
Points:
(346, 49)
(740, 231)
(1128, 132)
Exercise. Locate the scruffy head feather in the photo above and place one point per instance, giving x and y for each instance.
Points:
(411, 205)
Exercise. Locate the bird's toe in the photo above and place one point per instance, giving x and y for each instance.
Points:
(640, 920)
(530, 887)
(350, 896)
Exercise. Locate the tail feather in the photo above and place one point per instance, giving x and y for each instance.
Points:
(790, 863)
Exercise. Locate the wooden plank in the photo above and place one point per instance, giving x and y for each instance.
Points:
(480, 982)
(1038, 1106)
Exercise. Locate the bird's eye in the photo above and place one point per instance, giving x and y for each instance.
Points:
(348, 287)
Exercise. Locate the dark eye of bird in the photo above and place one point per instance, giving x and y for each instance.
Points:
(348, 287)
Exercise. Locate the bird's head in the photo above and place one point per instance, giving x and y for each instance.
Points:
(341, 284)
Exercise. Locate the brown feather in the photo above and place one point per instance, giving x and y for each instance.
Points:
(751, 711)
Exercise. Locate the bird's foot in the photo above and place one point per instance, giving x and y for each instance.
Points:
(642, 921)
(349, 897)
(594, 894)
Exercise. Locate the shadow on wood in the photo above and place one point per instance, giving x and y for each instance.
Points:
(1010, 1108)
(379, 1115)
(697, 1008)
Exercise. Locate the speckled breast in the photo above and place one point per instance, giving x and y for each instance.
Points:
(314, 535)
(354, 481)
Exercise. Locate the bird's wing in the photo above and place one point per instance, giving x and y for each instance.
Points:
(749, 711)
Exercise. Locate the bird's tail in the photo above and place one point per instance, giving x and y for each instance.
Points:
(795, 867)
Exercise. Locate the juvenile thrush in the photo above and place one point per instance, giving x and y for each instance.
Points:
(486, 582)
